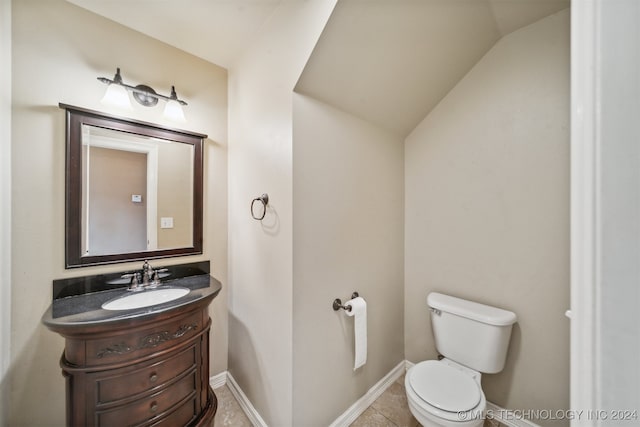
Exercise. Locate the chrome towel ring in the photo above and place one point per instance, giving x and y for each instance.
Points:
(264, 199)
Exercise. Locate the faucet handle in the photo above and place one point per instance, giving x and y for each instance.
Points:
(135, 281)
(155, 278)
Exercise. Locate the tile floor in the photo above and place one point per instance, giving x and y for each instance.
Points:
(229, 411)
(389, 410)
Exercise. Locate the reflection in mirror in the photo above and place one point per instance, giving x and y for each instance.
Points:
(127, 206)
(134, 190)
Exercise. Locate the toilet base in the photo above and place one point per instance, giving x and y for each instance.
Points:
(430, 421)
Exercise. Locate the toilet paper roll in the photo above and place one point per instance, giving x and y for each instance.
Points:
(359, 311)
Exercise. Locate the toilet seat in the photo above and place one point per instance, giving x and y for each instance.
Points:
(444, 391)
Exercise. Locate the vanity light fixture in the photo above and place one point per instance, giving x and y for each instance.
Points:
(117, 96)
(173, 109)
(116, 93)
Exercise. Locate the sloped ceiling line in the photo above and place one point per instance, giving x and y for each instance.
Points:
(391, 62)
(386, 61)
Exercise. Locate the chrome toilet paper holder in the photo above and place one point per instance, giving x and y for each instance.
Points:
(337, 303)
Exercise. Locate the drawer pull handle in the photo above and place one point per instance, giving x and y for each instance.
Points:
(153, 377)
(154, 407)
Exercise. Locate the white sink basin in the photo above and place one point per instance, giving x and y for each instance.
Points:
(145, 298)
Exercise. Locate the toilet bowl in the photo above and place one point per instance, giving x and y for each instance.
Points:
(444, 393)
(472, 338)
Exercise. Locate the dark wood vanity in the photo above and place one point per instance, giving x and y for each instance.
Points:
(144, 363)
(140, 367)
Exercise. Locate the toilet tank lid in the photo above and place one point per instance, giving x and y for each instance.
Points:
(471, 310)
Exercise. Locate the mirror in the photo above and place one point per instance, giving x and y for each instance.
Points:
(133, 190)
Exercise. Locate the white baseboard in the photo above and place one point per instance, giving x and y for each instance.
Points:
(355, 410)
(244, 402)
(507, 417)
(225, 378)
(344, 420)
(218, 380)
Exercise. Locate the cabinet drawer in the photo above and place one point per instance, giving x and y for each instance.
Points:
(126, 383)
(153, 408)
(128, 346)
(183, 416)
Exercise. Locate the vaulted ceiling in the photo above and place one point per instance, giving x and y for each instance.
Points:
(390, 62)
(386, 61)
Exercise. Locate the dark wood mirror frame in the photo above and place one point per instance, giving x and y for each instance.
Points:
(75, 118)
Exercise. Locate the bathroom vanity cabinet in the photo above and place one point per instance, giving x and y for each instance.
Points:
(145, 367)
(151, 374)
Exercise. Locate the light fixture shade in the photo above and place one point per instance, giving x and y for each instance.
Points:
(117, 96)
(173, 111)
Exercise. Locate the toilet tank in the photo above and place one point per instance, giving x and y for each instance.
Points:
(472, 334)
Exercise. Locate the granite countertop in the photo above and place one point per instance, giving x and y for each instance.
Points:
(85, 309)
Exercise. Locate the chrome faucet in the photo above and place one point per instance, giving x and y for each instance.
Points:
(147, 272)
(149, 277)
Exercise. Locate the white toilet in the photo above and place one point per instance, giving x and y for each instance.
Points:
(473, 338)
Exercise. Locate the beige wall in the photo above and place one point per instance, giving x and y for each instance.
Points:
(58, 51)
(5, 203)
(117, 224)
(347, 236)
(487, 209)
(260, 161)
(175, 195)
